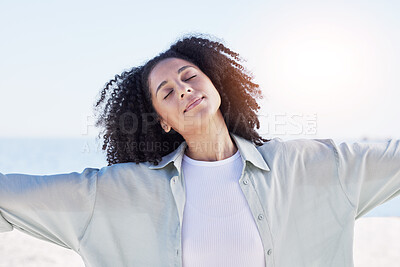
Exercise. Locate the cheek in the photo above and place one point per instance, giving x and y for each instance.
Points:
(211, 87)
(155, 105)
(167, 110)
(158, 108)
(215, 92)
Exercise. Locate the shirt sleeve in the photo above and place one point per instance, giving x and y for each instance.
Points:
(56, 208)
(369, 173)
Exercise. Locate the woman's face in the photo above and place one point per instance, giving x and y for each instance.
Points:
(174, 84)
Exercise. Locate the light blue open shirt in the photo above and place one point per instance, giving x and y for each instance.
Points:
(304, 195)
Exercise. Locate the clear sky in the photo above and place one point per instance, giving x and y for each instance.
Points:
(327, 68)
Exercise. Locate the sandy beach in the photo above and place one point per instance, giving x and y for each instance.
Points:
(376, 243)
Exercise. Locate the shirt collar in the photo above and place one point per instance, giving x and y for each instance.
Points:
(247, 150)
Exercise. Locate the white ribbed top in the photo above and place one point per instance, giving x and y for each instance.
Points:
(218, 228)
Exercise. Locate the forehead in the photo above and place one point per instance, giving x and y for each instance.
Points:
(166, 67)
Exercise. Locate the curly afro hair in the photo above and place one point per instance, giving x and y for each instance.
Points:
(129, 122)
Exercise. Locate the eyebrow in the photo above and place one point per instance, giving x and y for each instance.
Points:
(179, 71)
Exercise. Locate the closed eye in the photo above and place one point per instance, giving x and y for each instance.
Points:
(168, 94)
(185, 81)
(190, 78)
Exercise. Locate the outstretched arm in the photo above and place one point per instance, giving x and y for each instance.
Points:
(55, 208)
(369, 173)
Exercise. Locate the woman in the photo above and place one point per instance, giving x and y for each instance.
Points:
(149, 101)
(191, 183)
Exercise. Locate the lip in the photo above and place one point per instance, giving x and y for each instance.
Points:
(193, 103)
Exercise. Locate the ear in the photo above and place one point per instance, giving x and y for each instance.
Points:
(165, 125)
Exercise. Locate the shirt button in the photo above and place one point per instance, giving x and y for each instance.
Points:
(269, 252)
(260, 217)
(174, 180)
(246, 181)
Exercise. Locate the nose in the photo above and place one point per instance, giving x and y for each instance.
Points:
(186, 90)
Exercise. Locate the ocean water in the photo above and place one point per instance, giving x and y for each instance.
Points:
(50, 155)
(61, 155)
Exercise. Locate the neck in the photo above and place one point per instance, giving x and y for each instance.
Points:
(211, 144)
